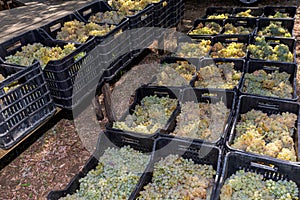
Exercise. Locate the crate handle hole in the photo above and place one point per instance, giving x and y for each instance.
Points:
(14, 46)
(87, 12)
(55, 27)
(264, 166)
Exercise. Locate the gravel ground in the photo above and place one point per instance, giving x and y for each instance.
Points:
(51, 162)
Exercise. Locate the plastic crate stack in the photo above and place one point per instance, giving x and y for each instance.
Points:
(30, 91)
(199, 100)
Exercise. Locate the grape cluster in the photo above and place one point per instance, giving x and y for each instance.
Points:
(177, 178)
(218, 16)
(279, 15)
(263, 50)
(275, 28)
(275, 84)
(43, 54)
(175, 74)
(125, 6)
(229, 50)
(152, 114)
(108, 17)
(222, 76)
(272, 135)
(208, 28)
(115, 176)
(193, 50)
(231, 29)
(76, 31)
(253, 186)
(204, 121)
(247, 13)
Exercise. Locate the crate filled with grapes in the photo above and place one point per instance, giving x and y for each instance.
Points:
(280, 12)
(180, 170)
(233, 26)
(204, 115)
(256, 177)
(270, 79)
(153, 109)
(272, 49)
(60, 62)
(219, 73)
(267, 127)
(26, 102)
(229, 46)
(275, 28)
(113, 171)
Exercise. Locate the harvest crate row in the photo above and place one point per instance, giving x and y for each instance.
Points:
(73, 52)
(235, 112)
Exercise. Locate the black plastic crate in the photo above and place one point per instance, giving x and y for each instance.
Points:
(291, 43)
(212, 96)
(227, 39)
(218, 10)
(107, 139)
(144, 91)
(269, 106)
(239, 65)
(271, 10)
(162, 13)
(177, 12)
(270, 169)
(204, 22)
(199, 153)
(271, 67)
(24, 106)
(257, 12)
(244, 22)
(59, 74)
(287, 24)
